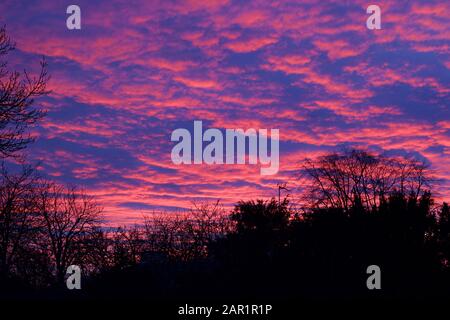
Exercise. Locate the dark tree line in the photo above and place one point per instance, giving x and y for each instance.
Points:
(271, 250)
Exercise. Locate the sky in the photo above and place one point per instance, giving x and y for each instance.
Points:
(137, 70)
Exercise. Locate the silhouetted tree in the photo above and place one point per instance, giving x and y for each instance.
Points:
(69, 217)
(336, 180)
(260, 231)
(187, 235)
(261, 216)
(444, 235)
(98, 248)
(205, 223)
(17, 93)
(128, 246)
(18, 218)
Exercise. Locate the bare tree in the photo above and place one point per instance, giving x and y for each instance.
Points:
(97, 246)
(339, 179)
(128, 246)
(18, 219)
(69, 217)
(205, 223)
(165, 234)
(187, 235)
(17, 94)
